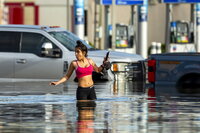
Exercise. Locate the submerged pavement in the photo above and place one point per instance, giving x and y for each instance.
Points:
(121, 107)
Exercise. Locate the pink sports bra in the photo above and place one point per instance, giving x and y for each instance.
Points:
(83, 71)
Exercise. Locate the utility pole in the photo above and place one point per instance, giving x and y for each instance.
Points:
(198, 26)
(79, 18)
(113, 25)
(133, 27)
(68, 14)
(95, 23)
(142, 31)
(169, 10)
(107, 22)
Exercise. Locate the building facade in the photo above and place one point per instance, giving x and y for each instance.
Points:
(98, 18)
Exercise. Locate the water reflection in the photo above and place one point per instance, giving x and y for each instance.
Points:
(172, 110)
(120, 107)
(128, 87)
(85, 120)
(32, 88)
(24, 118)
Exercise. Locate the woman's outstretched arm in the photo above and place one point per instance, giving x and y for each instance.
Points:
(66, 77)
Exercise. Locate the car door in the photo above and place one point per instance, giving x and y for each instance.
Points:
(9, 48)
(29, 64)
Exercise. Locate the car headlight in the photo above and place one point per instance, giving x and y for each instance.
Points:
(126, 67)
(134, 71)
(119, 67)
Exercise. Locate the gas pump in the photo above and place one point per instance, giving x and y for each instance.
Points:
(181, 37)
(180, 32)
(121, 36)
(124, 38)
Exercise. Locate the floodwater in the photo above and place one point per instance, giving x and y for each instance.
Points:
(121, 107)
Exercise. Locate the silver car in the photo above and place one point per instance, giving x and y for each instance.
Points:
(41, 53)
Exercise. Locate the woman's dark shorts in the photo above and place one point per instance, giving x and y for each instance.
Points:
(86, 93)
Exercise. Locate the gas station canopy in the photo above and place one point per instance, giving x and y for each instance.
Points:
(181, 1)
(122, 2)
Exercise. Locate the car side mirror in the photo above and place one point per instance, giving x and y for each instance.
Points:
(48, 51)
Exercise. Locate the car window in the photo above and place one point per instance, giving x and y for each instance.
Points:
(9, 41)
(68, 39)
(32, 43)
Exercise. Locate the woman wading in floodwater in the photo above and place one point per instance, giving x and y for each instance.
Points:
(83, 67)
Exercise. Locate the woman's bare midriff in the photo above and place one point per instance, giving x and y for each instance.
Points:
(85, 81)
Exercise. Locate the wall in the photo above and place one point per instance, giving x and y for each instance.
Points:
(59, 13)
(157, 19)
(156, 23)
(52, 13)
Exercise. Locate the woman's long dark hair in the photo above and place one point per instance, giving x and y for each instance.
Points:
(82, 47)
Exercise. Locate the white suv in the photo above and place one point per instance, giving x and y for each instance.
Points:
(43, 53)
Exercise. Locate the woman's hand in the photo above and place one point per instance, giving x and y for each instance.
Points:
(106, 64)
(54, 83)
(66, 77)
